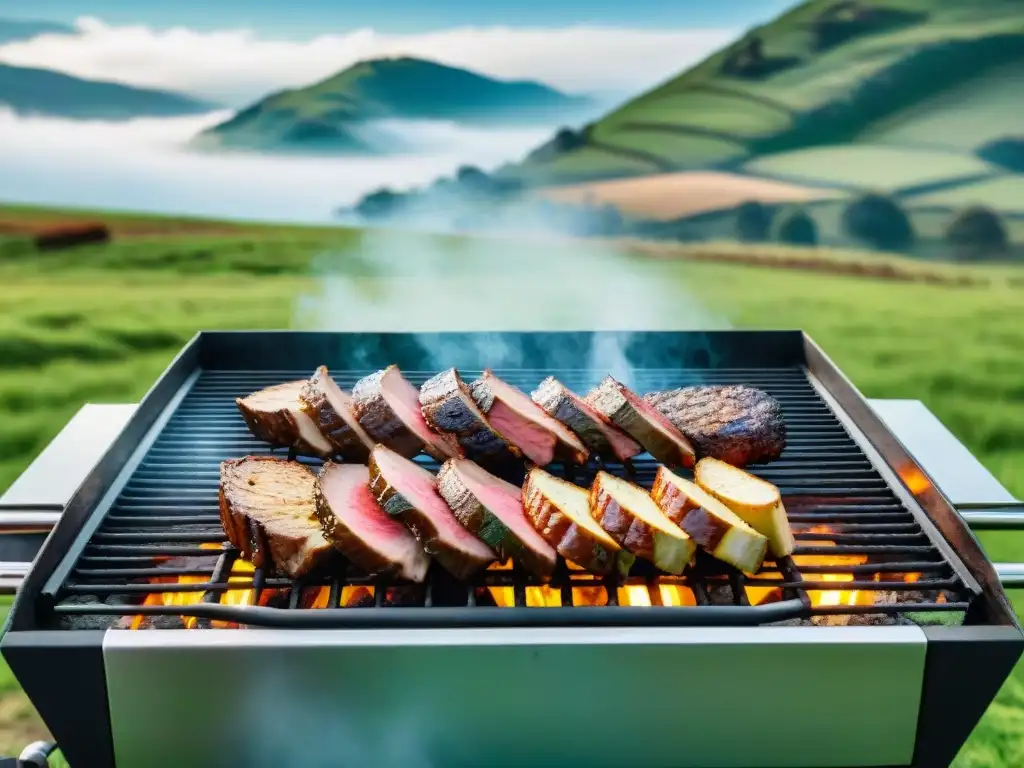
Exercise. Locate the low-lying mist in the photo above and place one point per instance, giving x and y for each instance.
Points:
(146, 165)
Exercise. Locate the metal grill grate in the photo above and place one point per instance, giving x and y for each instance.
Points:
(838, 503)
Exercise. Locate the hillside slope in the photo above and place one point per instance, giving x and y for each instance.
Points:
(30, 91)
(333, 115)
(827, 73)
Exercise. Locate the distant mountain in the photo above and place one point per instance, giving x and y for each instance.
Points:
(844, 74)
(337, 114)
(12, 30)
(31, 91)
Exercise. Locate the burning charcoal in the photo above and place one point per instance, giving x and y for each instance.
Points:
(720, 594)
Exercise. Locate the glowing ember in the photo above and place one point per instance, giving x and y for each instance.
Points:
(634, 595)
(826, 598)
(241, 573)
(543, 597)
(671, 594)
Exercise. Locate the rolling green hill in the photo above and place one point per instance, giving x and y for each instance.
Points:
(30, 91)
(933, 75)
(334, 115)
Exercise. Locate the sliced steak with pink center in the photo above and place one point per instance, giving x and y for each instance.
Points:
(592, 427)
(408, 492)
(355, 524)
(492, 509)
(332, 410)
(642, 421)
(525, 424)
(388, 408)
(449, 408)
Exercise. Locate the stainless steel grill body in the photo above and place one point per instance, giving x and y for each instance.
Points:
(573, 686)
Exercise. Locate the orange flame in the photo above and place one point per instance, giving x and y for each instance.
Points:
(241, 573)
(828, 598)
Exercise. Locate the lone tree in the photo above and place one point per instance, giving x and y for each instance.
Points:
(879, 221)
(753, 221)
(798, 228)
(977, 233)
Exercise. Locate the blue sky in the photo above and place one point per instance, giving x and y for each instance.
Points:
(302, 18)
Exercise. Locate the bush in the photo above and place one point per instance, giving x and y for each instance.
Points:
(753, 221)
(380, 204)
(879, 221)
(798, 228)
(977, 232)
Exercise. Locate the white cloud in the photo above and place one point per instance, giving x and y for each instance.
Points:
(235, 66)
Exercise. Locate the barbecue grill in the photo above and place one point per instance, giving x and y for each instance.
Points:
(880, 642)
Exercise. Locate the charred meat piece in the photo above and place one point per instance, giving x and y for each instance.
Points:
(408, 492)
(642, 421)
(492, 509)
(716, 528)
(388, 408)
(525, 424)
(275, 415)
(266, 508)
(331, 409)
(449, 408)
(739, 425)
(560, 512)
(354, 523)
(592, 427)
(628, 513)
(756, 501)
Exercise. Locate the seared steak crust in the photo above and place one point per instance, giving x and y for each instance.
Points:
(448, 407)
(379, 420)
(266, 509)
(736, 424)
(314, 400)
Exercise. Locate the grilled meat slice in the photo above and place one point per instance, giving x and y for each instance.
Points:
(388, 408)
(560, 512)
(592, 427)
(642, 421)
(525, 424)
(756, 501)
(449, 408)
(408, 492)
(716, 528)
(628, 513)
(355, 524)
(275, 415)
(738, 424)
(492, 509)
(266, 508)
(331, 409)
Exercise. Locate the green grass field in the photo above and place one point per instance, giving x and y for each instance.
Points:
(100, 323)
(868, 166)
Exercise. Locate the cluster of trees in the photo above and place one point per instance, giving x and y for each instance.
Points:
(880, 222)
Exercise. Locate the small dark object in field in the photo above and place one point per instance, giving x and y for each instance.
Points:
(753, 221)
(798, 228)
(748, 60)
(878, 221)
(71, 235)
(977, 233)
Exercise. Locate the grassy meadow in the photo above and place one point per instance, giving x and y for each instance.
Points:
(99, 323)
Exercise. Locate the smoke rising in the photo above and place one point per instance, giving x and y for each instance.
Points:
(417, 282)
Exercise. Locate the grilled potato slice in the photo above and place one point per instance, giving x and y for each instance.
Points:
(716, 528)
(560, 512)
(628, 513)
(757, 502)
